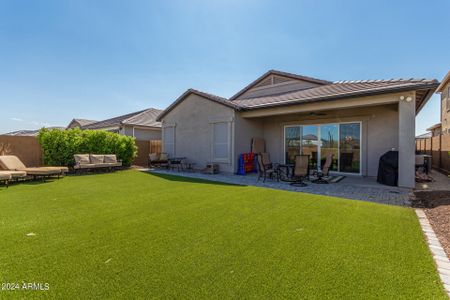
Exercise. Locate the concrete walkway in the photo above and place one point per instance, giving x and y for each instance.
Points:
(351, 187)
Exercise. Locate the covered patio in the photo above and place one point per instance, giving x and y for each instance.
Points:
(351, 187)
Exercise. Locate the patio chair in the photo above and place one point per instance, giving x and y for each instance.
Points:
(158, 160)
(13, 163)
(266, 168)
(301, 170)
(325, 170)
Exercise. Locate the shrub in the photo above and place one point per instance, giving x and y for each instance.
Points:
(59, 146)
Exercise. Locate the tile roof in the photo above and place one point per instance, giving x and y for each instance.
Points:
(336, 90)
(32, 132)
(84, 122)
(146, 117)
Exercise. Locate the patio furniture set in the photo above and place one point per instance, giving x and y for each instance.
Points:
(162, 160)
(295, 173)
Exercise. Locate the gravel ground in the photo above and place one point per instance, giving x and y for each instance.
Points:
(436, 205)
(439, 218)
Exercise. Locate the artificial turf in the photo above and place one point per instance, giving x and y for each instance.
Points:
(137, 235)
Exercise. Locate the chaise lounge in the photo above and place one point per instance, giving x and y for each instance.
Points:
(13, 163)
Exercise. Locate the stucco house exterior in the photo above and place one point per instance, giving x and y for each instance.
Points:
(357, 121)
(444, 90)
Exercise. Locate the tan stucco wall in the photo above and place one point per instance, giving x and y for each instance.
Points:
(142, 134)
(193, 120)
(445, 110)
(379, 131)
(246, 129)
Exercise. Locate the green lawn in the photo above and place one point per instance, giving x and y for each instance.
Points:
(137, 235)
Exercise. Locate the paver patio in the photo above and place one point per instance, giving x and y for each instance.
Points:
(351, 187)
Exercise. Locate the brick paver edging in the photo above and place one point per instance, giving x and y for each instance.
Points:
(439, 256)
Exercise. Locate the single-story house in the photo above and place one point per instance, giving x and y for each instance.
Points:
(435, 130)
(141, 124)
(357, 121)
(78, 123)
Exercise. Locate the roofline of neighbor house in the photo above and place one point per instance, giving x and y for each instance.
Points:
(434, 126)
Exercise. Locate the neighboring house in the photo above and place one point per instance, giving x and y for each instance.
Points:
(142, 125)
(31, 132)
(435, 130)
(444, 90)
(79, 123)
(426, 135)
(357, 121)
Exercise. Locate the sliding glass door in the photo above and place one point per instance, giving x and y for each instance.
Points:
(343, 141)
(350, 147)
(329, 136)
(292, 143)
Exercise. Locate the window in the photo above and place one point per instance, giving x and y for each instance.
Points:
(221, 144)
(169, 140)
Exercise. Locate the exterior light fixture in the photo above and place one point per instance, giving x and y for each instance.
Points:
(408, 99)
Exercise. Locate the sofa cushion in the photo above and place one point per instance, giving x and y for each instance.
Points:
(96, 158)
(163, 157)
(82, 159)
(11, 162)
(110, 158)
(153, 156)
(14, 174)
(43, 171)
(5, 176)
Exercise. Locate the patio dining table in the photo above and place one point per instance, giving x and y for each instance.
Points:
(285, 172)
(176, 162)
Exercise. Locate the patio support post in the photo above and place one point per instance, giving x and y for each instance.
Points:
(406, 141)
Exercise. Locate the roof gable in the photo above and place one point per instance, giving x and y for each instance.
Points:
(276, 82)
(443, 83)
(204, 95)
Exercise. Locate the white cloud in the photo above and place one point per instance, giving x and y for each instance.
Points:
(16, 119)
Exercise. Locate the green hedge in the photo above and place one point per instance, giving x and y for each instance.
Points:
(59, 146)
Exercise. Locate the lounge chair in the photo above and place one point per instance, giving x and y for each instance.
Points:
(325, 170)
(301, 170)
(266, 168)
(5, 177)
(13, 163)
(13, 175)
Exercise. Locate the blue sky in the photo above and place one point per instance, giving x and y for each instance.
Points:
(97, 59)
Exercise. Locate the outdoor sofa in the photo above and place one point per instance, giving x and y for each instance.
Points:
(91, 162)
(13, 163)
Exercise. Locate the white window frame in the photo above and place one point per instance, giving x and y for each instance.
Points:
(213, 144)
(172, 126)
